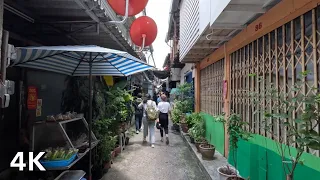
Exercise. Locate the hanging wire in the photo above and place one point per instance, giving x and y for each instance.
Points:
(211, 34)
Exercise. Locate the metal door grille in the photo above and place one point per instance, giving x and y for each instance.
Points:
(212, 88)
(279, 57)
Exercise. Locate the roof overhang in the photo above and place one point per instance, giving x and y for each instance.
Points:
(233, 19)
(78, 21)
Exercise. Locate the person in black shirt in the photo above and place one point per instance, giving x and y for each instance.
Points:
(138, 112)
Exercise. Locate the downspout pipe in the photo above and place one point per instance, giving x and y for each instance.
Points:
(174, 37)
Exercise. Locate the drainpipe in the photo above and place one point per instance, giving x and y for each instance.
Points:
(174, 37)
(4, 55)
(102, 25)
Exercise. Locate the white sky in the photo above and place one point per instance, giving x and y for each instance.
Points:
(158, 10)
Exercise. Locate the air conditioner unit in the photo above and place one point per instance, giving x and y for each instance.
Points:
(7, 87)
(11, 54)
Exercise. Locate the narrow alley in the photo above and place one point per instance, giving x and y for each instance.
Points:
(141, 162)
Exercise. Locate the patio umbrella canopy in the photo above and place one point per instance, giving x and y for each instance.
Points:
(75, 60)
(80, 61)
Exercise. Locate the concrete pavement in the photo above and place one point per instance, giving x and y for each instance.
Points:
(164, 162)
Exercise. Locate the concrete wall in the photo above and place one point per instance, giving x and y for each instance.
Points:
(50, 87)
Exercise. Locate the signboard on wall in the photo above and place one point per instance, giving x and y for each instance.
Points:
(108, 80)
(32, 97)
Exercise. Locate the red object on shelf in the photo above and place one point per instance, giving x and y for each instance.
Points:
(143, 25)
(32, 97)
(135, 6)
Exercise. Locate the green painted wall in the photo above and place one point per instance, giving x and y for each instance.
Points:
(214, 132)
(259, 159)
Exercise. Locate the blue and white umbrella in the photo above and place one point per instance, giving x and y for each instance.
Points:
(75, 60)
(80, 61)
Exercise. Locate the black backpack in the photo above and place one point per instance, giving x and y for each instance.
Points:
(138, 111)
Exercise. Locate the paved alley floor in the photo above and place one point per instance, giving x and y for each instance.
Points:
(164, 162)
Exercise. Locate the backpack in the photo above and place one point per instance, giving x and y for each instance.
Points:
(138, 111)
(151, 113)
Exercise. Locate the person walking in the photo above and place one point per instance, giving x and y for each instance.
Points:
(164, 110)
(159, 98)
(138, 112)
(149, 118)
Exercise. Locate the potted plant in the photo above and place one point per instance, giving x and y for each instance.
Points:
(176, 115)
(117, 150)
(102, 158)
(207, 151)
(183, 124)
(192, 119)
(236, 132)
(192, 134)
(236, 178)
(308, 120)
(197, 133)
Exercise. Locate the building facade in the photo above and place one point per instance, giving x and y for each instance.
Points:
(229, 40)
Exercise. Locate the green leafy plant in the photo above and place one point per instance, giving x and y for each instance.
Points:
(176, 116)
(104, 148)
(103, 130)
(119, 104)
(236, 132)
(193, 118)
(184, 91)
(197, 131)
(219, 118)
(184, 106)
(300, 124)
(76, 97)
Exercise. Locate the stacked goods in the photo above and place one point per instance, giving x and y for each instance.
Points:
(62, 117)
(59, 154)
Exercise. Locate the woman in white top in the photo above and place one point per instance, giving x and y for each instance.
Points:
(164, 110)
(146, 123)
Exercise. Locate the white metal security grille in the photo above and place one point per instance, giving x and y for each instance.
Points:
(212, 88)
(279, 57)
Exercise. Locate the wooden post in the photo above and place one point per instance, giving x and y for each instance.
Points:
(226, 107)
(197, 88)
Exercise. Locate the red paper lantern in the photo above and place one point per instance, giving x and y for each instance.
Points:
(135, 6)
(143, 25)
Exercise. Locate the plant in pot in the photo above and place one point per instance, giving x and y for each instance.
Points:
(183, 107)
(236, 132)
(198, 133)
(102, 158)
(176, 116)
(183, 124)
(192, 134)
(107, 140)
(207, 151)
(193, 119)
(300, 124)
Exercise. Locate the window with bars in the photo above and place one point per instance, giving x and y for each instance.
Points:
(278, 57)
(212, 88)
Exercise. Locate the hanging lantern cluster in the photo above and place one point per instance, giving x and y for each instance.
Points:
(143, 30)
